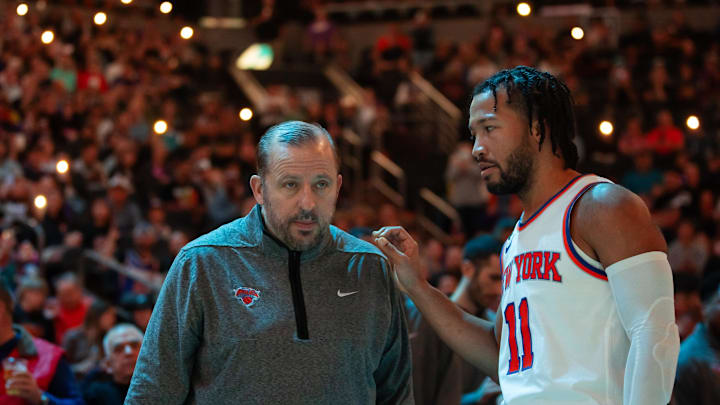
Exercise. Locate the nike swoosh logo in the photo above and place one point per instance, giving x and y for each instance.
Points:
(508, 246)
(342, 294)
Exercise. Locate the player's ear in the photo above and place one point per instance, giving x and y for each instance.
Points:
(535, 131)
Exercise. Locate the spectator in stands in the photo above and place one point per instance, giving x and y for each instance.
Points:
(71, 305)
(31, 296)
(643, 178)
(633, 141)
(466, 189)
(439, 375)
(688, 308)
(689, 251)
(696, 380)
(140, 307)
(83, 345)
(110, 386)
(48, 379)
(665, 138)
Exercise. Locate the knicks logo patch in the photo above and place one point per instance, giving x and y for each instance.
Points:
(248, 296)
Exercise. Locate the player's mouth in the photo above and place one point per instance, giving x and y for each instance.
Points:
(485, 168)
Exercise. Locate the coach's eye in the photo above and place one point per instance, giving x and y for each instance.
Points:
(322, 184)
(290, 185)
(489, 128)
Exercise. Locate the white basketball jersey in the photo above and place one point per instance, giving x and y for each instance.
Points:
(562, 340)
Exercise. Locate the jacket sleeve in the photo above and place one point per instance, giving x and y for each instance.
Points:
(393, 377)
(167, 356)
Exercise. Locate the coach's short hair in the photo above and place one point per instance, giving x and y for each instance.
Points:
(294, 133)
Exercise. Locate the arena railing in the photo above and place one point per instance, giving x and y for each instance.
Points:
(381, 165)
(446, 115)
(153, 281)
(443, 211)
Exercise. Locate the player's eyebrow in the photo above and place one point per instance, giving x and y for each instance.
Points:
(481, 121)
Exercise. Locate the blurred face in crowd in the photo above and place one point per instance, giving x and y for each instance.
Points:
(108, 319)
(502, 144)
(100, 211)
(33, 300)
(124, 349)
(485, 288)
(298, 192)
(69, 294)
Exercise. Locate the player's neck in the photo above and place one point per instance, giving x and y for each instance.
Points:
(545, 185)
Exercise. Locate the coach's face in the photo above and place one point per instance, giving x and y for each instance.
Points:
(502, 143)
(298, 192)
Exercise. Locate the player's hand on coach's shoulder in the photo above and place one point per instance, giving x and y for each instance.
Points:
(403, 252)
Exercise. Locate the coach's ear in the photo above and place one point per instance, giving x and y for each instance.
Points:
(256, 187)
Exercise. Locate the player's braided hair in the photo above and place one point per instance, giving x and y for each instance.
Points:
(547, 101)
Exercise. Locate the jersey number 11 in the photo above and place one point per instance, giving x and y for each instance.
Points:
(527, 357)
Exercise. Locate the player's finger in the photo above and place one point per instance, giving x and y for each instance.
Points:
(389, 249)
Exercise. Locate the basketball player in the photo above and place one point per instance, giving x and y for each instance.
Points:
(586, 315)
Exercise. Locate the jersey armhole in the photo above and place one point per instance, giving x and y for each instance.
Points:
(580, 258)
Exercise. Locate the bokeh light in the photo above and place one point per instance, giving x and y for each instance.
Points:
(160, 127)
(246, 114)
(186, 32)
(606, 128)
(524, 9)
(22, 9)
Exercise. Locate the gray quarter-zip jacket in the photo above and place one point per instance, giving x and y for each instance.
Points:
(242, 319)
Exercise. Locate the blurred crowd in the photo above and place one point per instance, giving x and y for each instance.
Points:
(90, 253)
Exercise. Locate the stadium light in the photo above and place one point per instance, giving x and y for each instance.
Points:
(606, 128)
(40, 202)
(160, 127)
(186, 32)
(245, 114)
(22, 9)
(62, 166)
(47, 37)
(100, 18)
(524, 9)
(693, 122)
(577, 33)
(166, 7)
(126, 2)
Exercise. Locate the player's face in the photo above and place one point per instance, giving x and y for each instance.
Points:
(486, 287)
(298, 192)
(502, 145)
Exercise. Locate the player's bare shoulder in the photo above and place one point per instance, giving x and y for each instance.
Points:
(615, 223)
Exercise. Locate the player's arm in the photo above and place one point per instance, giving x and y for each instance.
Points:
(469, 336)
(616, 225)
